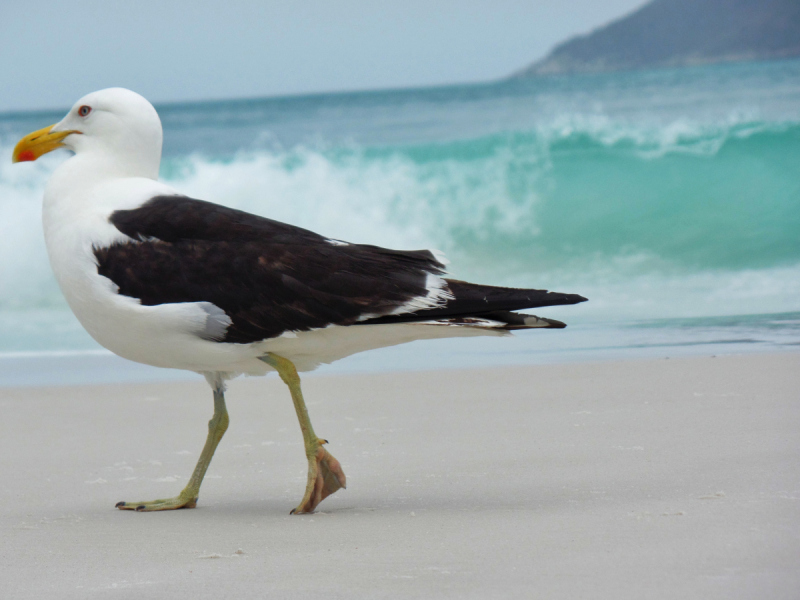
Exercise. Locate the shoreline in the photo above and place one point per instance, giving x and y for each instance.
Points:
(98, 368)
(578, 343)
(620, 479)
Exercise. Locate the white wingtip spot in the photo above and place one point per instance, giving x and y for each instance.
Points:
(534, 321)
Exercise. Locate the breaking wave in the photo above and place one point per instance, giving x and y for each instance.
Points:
(679, 219)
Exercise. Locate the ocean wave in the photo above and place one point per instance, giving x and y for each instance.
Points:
(656, 140)
(685, 216)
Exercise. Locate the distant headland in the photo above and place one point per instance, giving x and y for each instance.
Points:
(677, 33)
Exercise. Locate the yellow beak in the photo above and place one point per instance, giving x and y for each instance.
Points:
(35, 144)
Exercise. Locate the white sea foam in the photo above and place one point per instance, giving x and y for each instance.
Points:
(351, 201)
(25, 276)
(654, 138)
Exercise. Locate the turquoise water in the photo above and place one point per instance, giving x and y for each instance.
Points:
(671, 199)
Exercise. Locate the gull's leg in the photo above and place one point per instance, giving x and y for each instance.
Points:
(325, 474)
(216, 429)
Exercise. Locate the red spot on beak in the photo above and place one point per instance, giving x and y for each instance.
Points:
(26, 155)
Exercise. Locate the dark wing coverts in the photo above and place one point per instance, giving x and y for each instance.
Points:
(270, 277)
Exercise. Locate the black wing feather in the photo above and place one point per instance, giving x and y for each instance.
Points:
(270, 277)
(472, 299)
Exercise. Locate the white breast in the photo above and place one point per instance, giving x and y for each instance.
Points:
(165, 335)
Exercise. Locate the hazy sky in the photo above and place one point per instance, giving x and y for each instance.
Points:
(52, 52)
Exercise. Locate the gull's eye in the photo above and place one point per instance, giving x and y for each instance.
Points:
(84, 110)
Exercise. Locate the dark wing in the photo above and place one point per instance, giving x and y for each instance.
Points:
(268, 277)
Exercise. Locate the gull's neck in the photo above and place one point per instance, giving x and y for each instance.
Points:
(86, 170)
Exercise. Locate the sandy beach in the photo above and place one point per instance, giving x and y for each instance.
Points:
(671, 478)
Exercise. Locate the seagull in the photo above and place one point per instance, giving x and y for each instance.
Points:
(166, 280)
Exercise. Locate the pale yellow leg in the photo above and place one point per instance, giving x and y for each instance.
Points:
(188, 497)
(325, 475)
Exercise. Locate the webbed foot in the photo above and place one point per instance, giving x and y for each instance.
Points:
(325, 476)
